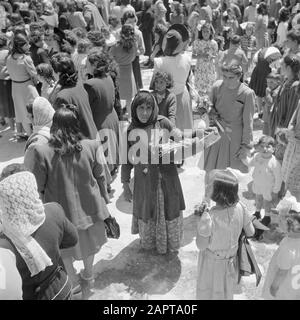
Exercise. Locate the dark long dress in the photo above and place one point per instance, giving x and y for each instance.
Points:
(147, 23)
(157, 201)
(258, 81)
(78, 96)
(101, 92)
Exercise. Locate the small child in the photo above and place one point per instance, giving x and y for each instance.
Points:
(273, 86)
(166, 100)
(79, 58)
(283, 276)
(218, 232)
(266, 178)
(46, 77)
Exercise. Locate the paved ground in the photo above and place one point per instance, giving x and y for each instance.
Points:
(124, 271)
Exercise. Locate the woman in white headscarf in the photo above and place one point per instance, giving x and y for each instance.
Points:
(35, 233)
(42, 114)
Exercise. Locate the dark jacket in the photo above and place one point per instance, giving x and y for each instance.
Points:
(56, 233)
(39, 55)
(79, 97)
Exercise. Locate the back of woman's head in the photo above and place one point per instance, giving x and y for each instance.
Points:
(262, 8)
(284, 15)
(100, 61)
(293, 61)
(225, 188)
(65, 130)
(36, 36)
(127, 37)
(18, 42)
(12, 169)
(64, 65)
(46, 71)
(97, 38)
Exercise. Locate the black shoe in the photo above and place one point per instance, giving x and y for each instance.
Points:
(257, 215)
(266, 220)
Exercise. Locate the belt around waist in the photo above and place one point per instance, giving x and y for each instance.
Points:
(21, 81)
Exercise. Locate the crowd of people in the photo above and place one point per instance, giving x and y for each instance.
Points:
(71, 88)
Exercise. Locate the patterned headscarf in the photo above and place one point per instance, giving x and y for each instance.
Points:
(140, 98)
(43, 113)
(22, 214)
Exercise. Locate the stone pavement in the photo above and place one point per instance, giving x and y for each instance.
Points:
(124, 271)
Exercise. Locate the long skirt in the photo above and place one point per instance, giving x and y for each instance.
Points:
(217, 277)
(6, 101)
(184, 112)
(23, 94)
(159, 233)
(90, 242)
(137, 72)
(127, 82)
(291, 167)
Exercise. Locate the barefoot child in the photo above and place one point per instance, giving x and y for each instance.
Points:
(266, 178)
(218, 232)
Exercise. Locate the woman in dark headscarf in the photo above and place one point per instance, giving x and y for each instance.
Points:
(158, 200)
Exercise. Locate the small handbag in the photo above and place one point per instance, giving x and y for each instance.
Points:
(112, 228)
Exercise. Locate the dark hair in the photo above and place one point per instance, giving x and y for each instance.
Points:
(293, 61)
(269, 141)
(70, 37)
(25, 14)
(210, 27)
(12, 169)
(16, 19)
(225, 194)
(262, 9)
(127, 37)
(45, 70)
(232, 67)
(284, 15)
(29, 108)
(291, 217)
(3, 40)
(167, 77)
(18, 42)
(65, 130)
(143, 98)
(294, 35)
(100, 60)
(97, 39)
(178, 7)
(235, 40)
(64, 65)
(128, 15)
(272, 24)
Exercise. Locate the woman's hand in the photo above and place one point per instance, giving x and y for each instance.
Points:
(127, 192)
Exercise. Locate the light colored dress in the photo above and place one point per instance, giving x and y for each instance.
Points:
(179, 67)
(205, 71)
(21, 70)
(217, 265)
(291, 160)
(287, 257)
(124, 59)
(236, 109)
(261, 32)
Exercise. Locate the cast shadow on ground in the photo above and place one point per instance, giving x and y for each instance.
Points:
(10, 148)
(135, 273)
